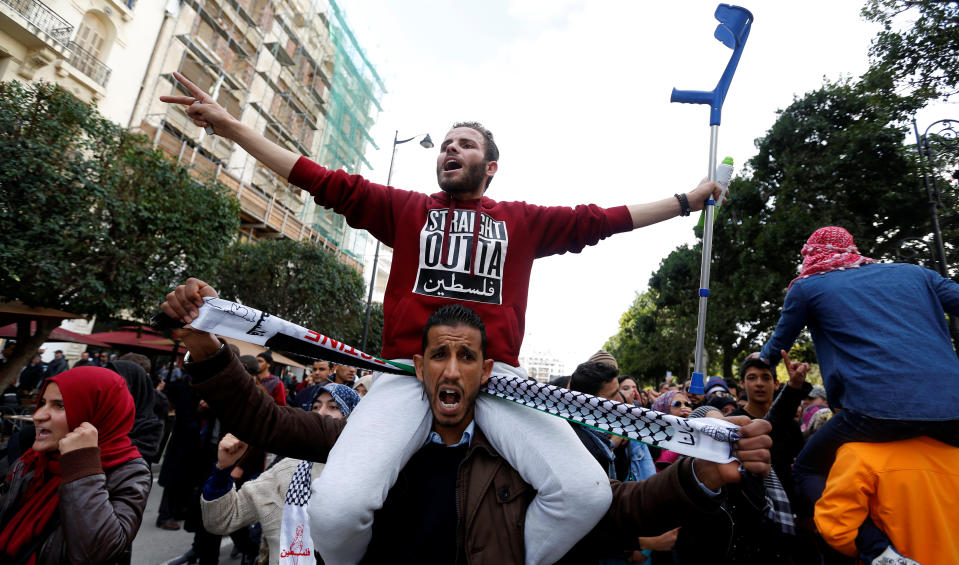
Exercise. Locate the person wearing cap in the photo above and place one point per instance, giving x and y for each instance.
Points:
(716, 386)
(816, 397)
(363, 384)
(862, 315)
(603, 356)
(270, 382)
(806, 419)
(226, 509)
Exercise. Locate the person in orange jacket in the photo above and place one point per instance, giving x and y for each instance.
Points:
(909, 490)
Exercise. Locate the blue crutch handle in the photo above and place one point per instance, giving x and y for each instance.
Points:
(691, 97)
(732, 31)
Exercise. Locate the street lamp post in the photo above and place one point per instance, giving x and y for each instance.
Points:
(948, 132)
(426, 143)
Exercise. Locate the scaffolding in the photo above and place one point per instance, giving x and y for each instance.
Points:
(354, 101)
(275, 65)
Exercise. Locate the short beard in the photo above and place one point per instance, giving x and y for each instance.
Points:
(475, 178)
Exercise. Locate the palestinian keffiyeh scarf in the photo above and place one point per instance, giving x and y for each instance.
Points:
(296, 545)
(778, 509)
(705, 438)
(829, 249)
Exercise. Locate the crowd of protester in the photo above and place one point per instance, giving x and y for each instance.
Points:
(77, 478)
(216, 484)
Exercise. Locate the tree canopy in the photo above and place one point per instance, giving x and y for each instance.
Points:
(835, 156)
(302, 283)
(918, 46)
(95, 221)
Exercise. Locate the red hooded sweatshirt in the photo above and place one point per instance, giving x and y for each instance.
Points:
(482, 258)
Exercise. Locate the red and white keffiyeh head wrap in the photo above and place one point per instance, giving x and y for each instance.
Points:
(829, 249)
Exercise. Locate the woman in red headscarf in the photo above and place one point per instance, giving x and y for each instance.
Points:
(78, 494)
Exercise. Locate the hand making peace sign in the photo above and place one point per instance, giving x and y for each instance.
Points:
(202, 108)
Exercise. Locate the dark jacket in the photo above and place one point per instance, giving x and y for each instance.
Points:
(180, 469)
(31, 376)
(56, 366)
(493, 497)
(786, 435)
(99, 513)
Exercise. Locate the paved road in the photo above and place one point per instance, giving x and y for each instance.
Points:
(154, 546)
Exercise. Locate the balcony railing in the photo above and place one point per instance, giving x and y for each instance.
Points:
(86, 63)
(38, 14)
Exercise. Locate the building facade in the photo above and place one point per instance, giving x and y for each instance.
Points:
(542, 365)
(291, 69)
(82, 45)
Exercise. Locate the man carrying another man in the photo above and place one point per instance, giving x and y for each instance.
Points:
(456, 500)
(454, 245)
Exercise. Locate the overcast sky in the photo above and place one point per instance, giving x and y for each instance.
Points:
(577, 95)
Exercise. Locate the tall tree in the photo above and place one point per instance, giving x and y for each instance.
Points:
(835, 156)
(658, 331)
(919, 44)
(302, 283)
(95, 221)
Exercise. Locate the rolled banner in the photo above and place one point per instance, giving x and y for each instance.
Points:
(248, 324)
(706, 438)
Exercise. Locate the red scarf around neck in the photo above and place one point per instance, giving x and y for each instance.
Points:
(90, 394)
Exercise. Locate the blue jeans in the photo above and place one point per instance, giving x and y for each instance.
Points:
(816, 458)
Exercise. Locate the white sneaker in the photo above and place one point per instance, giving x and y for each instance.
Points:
(892, 557)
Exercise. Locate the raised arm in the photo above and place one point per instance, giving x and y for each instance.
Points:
(205, 112)
(660, 210)
(783, 410)
(792, 320)
(948, 292)
(247, 411)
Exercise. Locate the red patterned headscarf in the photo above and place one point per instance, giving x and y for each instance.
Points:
(829, 249)
(90, 394)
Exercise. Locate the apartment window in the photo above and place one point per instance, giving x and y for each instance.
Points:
(91, 35)
(90, 46)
